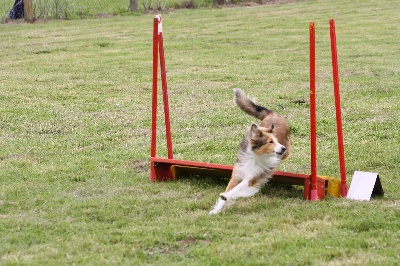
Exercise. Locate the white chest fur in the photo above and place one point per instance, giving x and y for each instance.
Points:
(251, 165)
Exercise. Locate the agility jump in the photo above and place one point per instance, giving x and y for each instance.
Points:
(315, 186)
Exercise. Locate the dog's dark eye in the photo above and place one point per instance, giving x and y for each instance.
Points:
(271, 141)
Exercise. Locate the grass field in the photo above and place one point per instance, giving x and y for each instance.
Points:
(75, 137)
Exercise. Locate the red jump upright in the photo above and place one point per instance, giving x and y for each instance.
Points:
(335, 71)
(313, 116)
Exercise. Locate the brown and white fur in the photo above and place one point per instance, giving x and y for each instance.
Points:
(259, 154)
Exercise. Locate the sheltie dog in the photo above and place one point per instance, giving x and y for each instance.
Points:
(259, 153)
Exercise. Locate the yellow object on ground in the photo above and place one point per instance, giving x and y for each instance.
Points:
(333, 186)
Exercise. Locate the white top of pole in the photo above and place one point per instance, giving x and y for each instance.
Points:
(159, 23)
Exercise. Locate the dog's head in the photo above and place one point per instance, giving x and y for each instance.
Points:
(263, 141)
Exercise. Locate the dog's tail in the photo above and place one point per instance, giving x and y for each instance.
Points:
(249, 106)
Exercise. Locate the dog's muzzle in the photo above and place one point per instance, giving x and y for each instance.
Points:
(282, 151)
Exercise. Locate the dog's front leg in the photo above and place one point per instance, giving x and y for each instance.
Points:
(235, 180)
(219, 206)
(242, 190)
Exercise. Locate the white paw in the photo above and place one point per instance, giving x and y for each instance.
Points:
(218, 207)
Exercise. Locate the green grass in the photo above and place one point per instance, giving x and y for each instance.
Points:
(75, 137)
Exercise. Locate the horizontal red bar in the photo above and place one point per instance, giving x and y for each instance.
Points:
(219, 167)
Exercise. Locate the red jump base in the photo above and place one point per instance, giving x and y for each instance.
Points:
(163, 169)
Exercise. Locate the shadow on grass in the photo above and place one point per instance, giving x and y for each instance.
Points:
(204, 181)
(271, 190)
(280, 190)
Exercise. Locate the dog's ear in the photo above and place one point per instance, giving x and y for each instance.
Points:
(255, 132)
(271, 128)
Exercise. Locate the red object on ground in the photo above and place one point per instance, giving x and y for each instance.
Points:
(313, 116)
(154, 96)
(162, 169)
(165, 91)
(335, 70)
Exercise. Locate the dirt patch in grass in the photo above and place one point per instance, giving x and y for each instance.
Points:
(138, 165)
